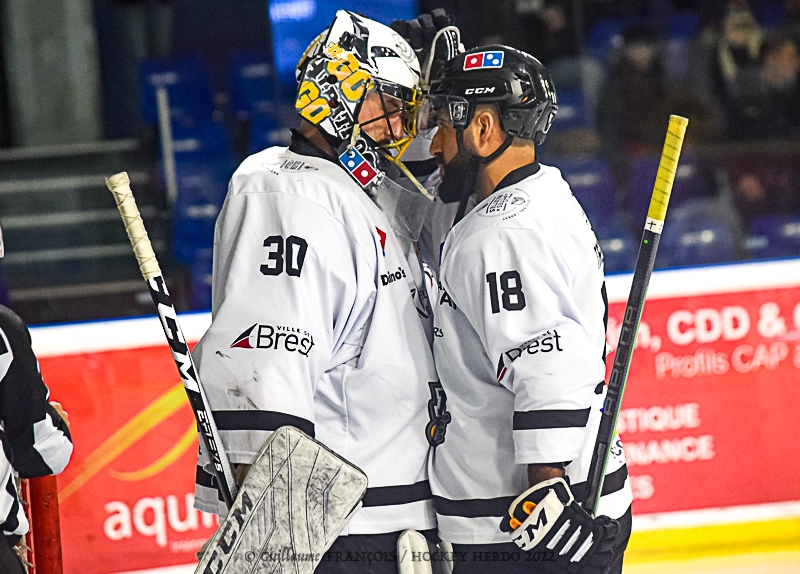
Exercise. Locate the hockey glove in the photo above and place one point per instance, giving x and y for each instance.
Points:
(421, 33)
(546, 517)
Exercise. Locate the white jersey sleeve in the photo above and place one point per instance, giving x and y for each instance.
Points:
(515, 289)
(296, 330)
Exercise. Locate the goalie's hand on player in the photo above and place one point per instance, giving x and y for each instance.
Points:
(546, 517)
(421, 32)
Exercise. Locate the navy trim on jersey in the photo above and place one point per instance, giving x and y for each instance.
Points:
(518, 175)
(551, 419)
(204, 478)
(403, 494)
(301, 145)
(378, 496)
(474, 507)
(613, 482)
(260, 421)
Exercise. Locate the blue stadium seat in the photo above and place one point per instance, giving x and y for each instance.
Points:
(619, 249)
(774, 236)
(689, 183)
(697, 233)
(683, 25)
(593, 185)
(209, 141)
(188, 84)
(252, 84)
(604, 36)
(202, 187)
(572, 111)
(265, 133)
(201, 279)
(769, 14)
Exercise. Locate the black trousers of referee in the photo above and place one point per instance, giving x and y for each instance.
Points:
(510, 559)
(365, 554)
(9, 563)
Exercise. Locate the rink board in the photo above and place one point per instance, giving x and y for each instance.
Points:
(709, 422)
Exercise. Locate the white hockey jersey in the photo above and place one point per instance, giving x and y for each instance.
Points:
(314, 325)
(520, 349)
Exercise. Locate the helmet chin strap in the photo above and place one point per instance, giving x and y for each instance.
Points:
(475, 163)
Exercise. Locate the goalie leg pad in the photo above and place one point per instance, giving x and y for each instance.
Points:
(294, 502)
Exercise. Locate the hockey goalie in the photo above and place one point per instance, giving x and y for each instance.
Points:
(320, 321)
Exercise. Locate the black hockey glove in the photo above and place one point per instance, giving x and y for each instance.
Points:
(546, 518)
(420, 34)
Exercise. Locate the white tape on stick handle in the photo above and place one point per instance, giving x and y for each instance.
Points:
(120, 186)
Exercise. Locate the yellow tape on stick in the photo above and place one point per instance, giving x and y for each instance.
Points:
(667, 167)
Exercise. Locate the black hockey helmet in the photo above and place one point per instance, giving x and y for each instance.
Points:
(516, 82)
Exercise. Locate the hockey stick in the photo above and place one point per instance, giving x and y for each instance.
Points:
(120, 186)
(667, 167)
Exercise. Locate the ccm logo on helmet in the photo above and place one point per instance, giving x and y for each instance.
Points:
(486, 90)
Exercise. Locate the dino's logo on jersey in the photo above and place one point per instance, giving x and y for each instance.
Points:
(288, 339)
(393, 276)
(438, 415)
(505, 204)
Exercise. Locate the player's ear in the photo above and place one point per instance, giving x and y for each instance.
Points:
(487, 130)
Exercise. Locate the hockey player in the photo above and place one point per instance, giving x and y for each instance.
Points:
(520, 327)
(34, 433)
(315, 319)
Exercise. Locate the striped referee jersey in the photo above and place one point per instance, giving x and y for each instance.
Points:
(36, 441)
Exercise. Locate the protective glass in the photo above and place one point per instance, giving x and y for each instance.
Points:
(442, 110)
(405, 207)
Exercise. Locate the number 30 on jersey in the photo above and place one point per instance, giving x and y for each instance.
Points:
(288, 255)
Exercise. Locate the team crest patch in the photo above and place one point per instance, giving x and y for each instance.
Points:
(438, 415)
(284, 163)
(505, 204)
(297, 165)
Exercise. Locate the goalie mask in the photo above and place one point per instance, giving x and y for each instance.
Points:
(359, 64)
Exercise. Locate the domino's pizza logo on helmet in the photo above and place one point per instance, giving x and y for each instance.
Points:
(358, 167)
(483, 60)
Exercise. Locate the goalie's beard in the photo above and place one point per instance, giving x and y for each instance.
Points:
(459, 178)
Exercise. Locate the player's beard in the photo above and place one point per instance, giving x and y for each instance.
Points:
(455, 179)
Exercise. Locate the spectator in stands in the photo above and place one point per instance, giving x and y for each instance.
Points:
(636, 86)
(738, 50)
(768, 104)
(791, 26)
